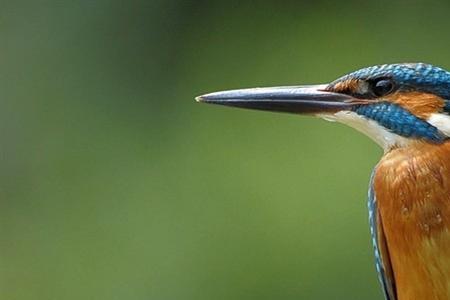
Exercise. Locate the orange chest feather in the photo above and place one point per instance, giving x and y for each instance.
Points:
(412, 188)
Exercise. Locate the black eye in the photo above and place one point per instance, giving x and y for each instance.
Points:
(382, 87)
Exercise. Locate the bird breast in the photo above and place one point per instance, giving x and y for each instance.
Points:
(412, 188)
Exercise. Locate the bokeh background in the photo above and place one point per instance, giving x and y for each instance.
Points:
(115, 184)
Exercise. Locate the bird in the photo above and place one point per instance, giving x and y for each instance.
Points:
(405, 109)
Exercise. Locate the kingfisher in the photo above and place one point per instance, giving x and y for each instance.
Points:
(405, 109)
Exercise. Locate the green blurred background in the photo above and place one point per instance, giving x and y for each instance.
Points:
(115, 184)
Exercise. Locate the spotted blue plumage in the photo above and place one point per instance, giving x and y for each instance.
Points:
(387, 283)
(414, 76)
(400, 121)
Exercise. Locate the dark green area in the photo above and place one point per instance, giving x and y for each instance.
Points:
(115, 184)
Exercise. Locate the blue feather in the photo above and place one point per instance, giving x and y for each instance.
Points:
(400, 121)
(387, 283)
(417, 76)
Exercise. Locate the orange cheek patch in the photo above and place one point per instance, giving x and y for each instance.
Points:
(346, 87)
(420, 104)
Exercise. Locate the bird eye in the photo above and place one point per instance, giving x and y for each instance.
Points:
(382, 87)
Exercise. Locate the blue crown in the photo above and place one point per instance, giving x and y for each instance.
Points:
(409, 76)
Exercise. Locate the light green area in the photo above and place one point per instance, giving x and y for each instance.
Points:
(115, 184)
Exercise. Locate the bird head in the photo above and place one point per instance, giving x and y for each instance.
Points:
(394, 104)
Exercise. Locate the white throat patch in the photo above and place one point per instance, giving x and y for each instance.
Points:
(441, 122)
(382, 136)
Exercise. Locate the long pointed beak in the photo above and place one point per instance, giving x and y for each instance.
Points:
(310, 99)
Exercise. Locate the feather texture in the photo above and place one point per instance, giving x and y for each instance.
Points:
(382, 260)
(412, 188)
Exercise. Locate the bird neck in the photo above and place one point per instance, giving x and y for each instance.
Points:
(412, 188)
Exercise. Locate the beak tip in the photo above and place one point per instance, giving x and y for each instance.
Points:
(200, 99)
